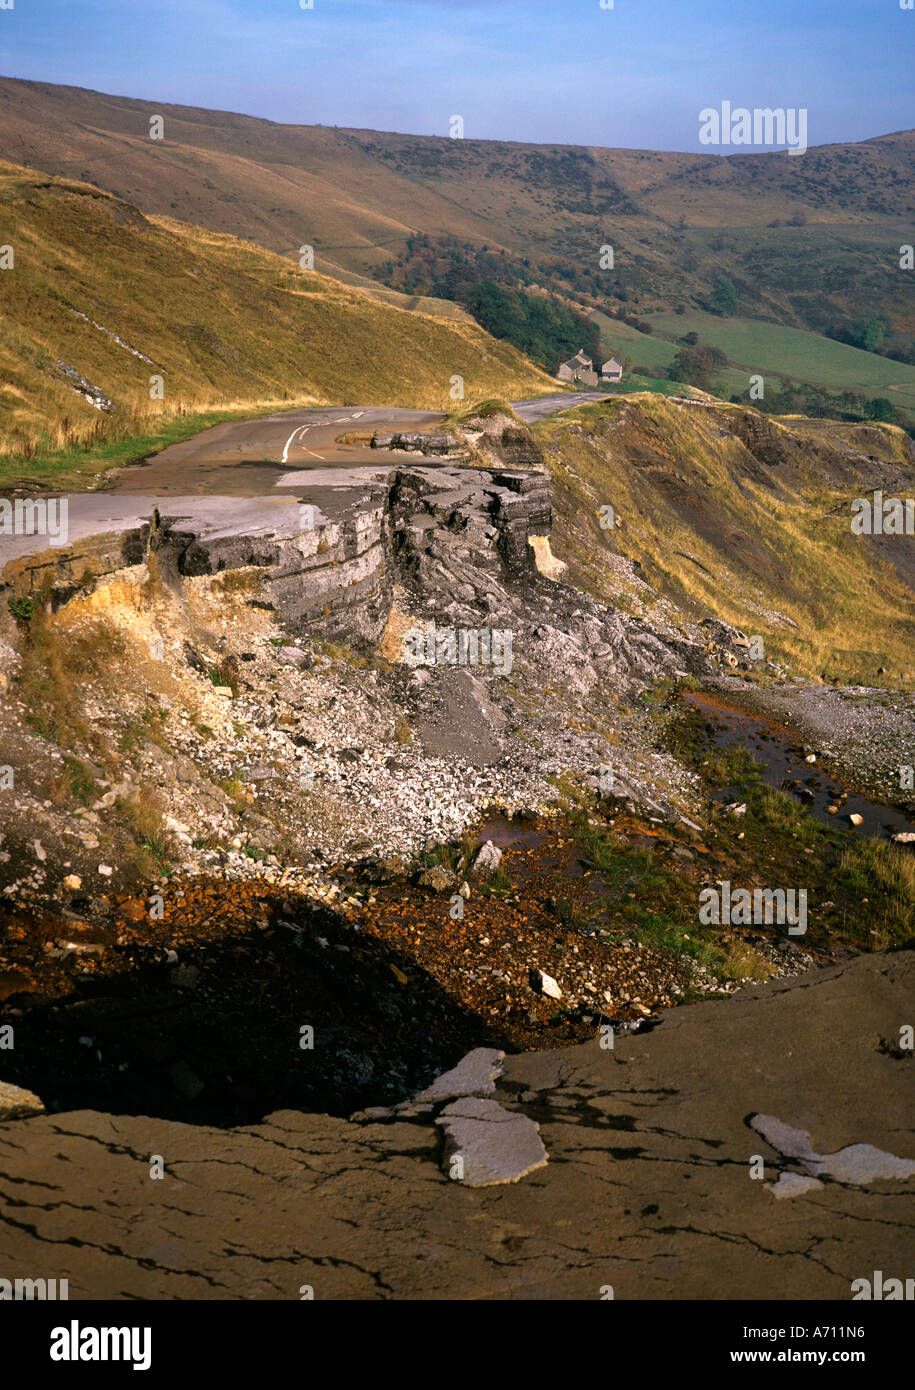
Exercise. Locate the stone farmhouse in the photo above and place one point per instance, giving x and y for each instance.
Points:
(580, 370)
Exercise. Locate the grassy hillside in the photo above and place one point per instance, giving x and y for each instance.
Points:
(732, 514)
(776, 351)
(224, 323)
(809, 242)
(645, 349)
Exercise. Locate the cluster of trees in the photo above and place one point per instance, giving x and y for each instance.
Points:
(447, 268)
(492, 286)
(867, 333)
(540, 325)
(633, 320)
(870, 334)
(724, 296)
(800, 398)
(696, 364)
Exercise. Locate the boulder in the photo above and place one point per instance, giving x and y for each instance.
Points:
(487, 860)
(16, 1103)
(542, 983)
(438, 879)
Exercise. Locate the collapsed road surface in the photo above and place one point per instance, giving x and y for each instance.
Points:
(247, 457)
(650, 1168)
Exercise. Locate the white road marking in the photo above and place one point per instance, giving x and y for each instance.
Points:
(289, 441)
(359, 414)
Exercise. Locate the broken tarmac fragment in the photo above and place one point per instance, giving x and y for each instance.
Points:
(474, 1075)
(486, 1144)
(855, 1164)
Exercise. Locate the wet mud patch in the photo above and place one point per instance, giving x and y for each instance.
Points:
(782, 757)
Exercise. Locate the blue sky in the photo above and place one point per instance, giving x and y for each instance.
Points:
(542, 70)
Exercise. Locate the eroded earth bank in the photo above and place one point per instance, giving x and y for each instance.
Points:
(272, 862)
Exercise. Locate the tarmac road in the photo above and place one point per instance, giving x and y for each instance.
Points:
(251, 472)
(245, 458)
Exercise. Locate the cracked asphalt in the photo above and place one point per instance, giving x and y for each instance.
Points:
(648, 1186)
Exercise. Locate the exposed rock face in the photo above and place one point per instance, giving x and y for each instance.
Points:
(763, 439)
(648, 1187)
(449, 522)
(376, 554)
(330, 565)
(501, 440)
(329, 573)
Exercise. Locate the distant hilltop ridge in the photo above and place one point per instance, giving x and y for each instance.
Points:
(674, 220)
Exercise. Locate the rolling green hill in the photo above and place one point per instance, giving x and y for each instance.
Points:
(771, 349)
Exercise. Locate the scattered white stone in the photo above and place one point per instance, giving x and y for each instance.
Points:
(905, 837)
(856, 819)
(105, 870)
(487, 860)
(545, 984)
(73, 882)
(40, 852)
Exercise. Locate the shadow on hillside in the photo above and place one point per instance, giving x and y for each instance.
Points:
(223, 1047)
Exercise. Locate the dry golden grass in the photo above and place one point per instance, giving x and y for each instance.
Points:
(225, 325)
(742, 961)
(771, 554)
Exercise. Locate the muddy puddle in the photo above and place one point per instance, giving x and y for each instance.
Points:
(782, 757)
